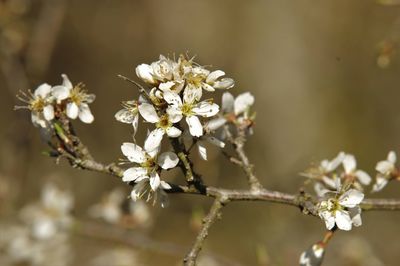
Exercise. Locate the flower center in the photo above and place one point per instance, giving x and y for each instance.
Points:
(149, 164)
(164, 122)
(187, 109)
(37, 104)
(78, 94)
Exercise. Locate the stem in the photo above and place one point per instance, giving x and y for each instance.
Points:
(208, 221)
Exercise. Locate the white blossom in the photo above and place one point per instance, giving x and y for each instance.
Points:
(385, 169)
(238, 105)
(164, 125)
(312, 256)
(77, 100)
(40, 103)
(350, 170)
(191, 110)
(342, 211)
(146, 174)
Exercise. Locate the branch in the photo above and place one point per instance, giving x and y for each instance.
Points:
(211, 217)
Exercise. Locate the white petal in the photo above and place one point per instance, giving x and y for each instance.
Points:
(153, 140)
(165, 185)
(43, 90)
(124, 116)
(215, 124)
(355, 214)
(72, 110)
(332, 165)
(166, 86)
(133, 173)
(195, 127)
(384, 167)
(135, 124)
(392, 157)
(213, 76)
(243, 102)
(174, 114)
(227, 102)
(192, 94)
(343, 220)
(173, 132)
(363, 177)
(133, 152)
(224, 84)
(154, 181)
(145, 72)
(351, 198)
(202, 150)
(328, 219)
(48, 112)
(206, 109)
(60, 92)
(208, 87)
(85, 115)
(320, 189)
(349, 163)
(168, 160)
(148, 112)
(66, 82)
(37, 120)
(380, 183)
(172, 98)
(138, 189)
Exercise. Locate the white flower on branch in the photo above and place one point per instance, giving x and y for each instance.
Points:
(164, 125)
(77, 100)
(40, 103)
(146, 174)
(351, 172)
(386, 171)
(341, 209)
(191, 110)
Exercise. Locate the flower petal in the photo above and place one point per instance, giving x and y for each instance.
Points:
(145, 73)
(168, 160)
(351, 198)
(243, 102)
(206, 109)
(133, 152)
(174, 114)
(227, 102)
(60, 92)
(224, 84)
(384, 167)
(133, 173)
(349, 163)
(363, 177)
(48, 112)
(72, 110)
(66, 82)
(214, 124)
(343, 220)
(380, 183)
(148, 112)
(392, 157)
(154, 181)
(153, 140)
(195, 127)
(328, 219)
(172, 98)
(213, 76)
(85, 115)
(43, 90)
(173, 132)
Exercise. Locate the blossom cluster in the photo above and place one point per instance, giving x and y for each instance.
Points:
(340, 187)
(48, 102)
(173, 103)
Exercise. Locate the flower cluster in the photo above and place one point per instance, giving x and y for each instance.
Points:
(173, 105)
(49, 102)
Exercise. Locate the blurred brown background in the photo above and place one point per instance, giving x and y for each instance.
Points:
(326, 78)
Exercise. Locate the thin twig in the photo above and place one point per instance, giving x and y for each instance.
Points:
(141, 89)
(208, 221)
